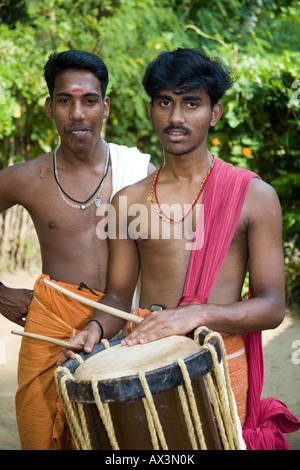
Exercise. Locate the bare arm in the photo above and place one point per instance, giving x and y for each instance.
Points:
(265, 310)
(10, 180)
(13, 302)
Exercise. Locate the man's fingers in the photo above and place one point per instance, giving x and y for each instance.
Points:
(65, 356)
(86, 339)
(145, 335)
(89, 346)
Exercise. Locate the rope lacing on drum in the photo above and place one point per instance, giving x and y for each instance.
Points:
(221, 393)
(154, 415)
(219, 388)
(74, 412)
(194, 409)
(104, 412)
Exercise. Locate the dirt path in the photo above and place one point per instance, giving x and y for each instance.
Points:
(282, 373)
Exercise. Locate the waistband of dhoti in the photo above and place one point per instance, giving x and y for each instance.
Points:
(88, 293)
(72, 287)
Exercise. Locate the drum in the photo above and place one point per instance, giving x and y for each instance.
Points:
(148, 396)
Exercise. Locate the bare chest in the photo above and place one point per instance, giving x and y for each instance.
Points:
(69, 209)
(147, 225)
(166, 248)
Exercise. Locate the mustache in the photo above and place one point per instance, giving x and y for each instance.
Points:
(176, 128)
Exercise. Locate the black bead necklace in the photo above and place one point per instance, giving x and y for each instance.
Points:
(82, 204)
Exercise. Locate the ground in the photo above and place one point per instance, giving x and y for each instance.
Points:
(281, 355)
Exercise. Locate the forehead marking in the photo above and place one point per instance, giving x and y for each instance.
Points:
(76, 88)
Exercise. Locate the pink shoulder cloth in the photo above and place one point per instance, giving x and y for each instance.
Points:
(223, 200)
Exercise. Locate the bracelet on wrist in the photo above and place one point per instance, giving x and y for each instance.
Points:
(100, 326)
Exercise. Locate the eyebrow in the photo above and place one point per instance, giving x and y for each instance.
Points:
(85, 95)
(193, 98)
(185, 97)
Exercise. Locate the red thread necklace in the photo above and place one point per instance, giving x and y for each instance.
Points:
(154, 199)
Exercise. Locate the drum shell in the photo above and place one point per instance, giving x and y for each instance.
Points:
(128, 413)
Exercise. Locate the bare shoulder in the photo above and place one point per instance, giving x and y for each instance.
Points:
(16, 180)
(137, 192)
(261, 192)
(261, 201)
(30, 167)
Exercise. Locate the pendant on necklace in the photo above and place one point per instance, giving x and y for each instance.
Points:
(97, 202)
(83, 206)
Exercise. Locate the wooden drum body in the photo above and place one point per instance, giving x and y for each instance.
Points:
(141, 397)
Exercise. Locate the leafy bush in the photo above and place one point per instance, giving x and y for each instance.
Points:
(259, 129)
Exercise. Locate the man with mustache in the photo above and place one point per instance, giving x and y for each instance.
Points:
(240, 221)
(62, 191)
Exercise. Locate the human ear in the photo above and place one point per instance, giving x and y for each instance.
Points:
(48, 108)
(106, 107)
(149, 109)
(217, 112)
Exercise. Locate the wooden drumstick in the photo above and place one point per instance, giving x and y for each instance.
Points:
(105, 308)
(57, 342)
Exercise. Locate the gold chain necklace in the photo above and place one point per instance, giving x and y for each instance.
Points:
(154, 199)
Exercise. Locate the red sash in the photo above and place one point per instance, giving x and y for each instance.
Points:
(223, 200)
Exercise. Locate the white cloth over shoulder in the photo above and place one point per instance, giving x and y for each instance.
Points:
(128, 166)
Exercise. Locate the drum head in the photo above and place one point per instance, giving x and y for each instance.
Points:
(122, 361)
(117, 368)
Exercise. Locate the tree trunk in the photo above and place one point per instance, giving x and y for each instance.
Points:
(19, 247)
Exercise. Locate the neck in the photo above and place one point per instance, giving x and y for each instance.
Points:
(91, 157)
(187, 167)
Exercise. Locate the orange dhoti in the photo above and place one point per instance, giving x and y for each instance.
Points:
(40, 418)
(238, 371)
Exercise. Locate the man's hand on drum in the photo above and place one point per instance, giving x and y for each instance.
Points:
(86, 338)
(162, 323)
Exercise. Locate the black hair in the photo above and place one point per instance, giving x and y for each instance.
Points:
(186, 70)
(60, 62)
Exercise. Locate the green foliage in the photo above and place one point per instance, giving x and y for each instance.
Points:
(259, 129)
(262, 117)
